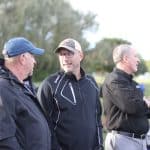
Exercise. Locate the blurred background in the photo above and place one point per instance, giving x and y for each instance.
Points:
(98, 25)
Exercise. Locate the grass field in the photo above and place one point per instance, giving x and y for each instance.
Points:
(146, 82)
(100, 78)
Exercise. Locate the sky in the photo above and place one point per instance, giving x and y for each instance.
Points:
(125, 19)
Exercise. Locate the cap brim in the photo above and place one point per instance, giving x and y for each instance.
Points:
(65, 47)
(37, 51)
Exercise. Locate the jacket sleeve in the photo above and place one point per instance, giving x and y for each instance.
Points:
(148, 113)
(10, 143)
(99, 125)
(99, 145)
(8, 140)
(45, 97)
(127, 97)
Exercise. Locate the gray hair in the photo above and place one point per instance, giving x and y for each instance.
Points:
(120, 51)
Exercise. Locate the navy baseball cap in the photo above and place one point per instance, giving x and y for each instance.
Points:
(20, 45)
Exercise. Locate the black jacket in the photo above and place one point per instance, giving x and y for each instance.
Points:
(124, 107)
(22, 123)
(74, 111)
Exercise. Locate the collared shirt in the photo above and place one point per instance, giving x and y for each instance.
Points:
(124, 107)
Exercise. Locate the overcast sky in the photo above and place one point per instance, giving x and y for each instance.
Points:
(125, 19)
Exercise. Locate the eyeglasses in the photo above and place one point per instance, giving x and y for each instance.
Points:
(66, 53)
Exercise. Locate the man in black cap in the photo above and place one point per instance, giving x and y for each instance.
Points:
(23, 125)
(71, 100)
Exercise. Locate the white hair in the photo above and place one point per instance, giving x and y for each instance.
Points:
(120, 51)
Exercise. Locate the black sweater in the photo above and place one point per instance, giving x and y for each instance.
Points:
(124, 107)
(74, 111)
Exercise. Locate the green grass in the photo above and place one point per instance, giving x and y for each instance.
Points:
(147, 89)
(100, 78)
(146, 82)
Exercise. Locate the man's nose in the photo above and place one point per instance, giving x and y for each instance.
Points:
(34, 61)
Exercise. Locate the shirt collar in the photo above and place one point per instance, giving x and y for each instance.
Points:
(129, 76)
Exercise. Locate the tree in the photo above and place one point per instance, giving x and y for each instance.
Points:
(45, 23)
(148, 65)
(142, 68)
(102, 54)
(100, 58)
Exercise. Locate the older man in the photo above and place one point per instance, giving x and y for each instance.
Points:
(124, 107)
(23, 125)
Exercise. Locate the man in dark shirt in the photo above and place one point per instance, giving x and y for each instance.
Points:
(71, 100)
(23, 125)
(125, 108)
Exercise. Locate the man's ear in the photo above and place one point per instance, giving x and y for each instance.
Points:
(125, 58)
(81, 56)
(22, 59)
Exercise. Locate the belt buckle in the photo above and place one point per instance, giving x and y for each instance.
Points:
(133, 135)
(142, 136)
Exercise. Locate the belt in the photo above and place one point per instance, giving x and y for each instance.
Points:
(133, 135)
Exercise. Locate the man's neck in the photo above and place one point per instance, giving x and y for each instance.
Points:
(15, 69)
(124, 68)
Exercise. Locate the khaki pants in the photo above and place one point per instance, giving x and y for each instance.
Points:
(116, 141)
